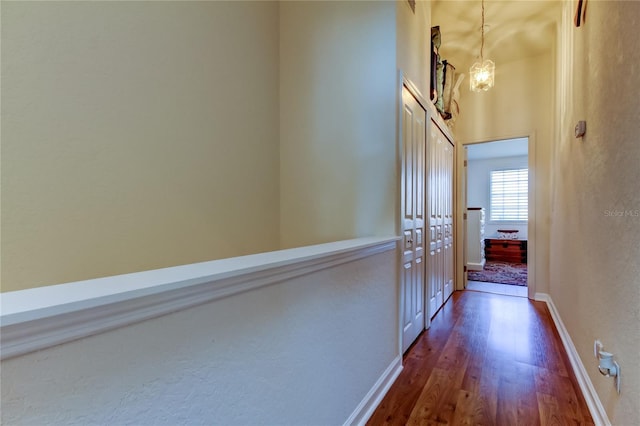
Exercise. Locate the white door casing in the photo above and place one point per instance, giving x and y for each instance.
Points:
(463, 206)
(461, 199)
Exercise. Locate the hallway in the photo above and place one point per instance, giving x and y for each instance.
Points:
(487, 359)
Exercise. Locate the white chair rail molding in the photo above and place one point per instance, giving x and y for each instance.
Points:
(258, 339)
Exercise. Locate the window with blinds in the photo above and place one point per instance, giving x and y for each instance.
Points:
(509, 195)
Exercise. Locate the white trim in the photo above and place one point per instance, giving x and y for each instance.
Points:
(542, 297)
(473, 266)
(586, 386)
(372, 399)
(42, 317)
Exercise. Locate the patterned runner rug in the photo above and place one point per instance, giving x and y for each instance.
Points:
(502, 273)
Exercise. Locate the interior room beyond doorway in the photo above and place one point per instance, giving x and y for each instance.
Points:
(497, 216)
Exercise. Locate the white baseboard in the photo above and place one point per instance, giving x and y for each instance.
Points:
(586, 386)
(471, 266)
(372, 399)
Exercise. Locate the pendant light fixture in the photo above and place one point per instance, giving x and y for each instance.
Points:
(481, 74)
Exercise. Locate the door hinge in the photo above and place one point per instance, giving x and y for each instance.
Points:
(465, 163)
(464, 216)
(465, 268)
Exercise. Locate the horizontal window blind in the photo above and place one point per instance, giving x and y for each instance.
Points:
(509, 195)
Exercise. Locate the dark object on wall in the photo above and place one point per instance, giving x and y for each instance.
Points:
(444, 81)
(440, 86)
(435, 58)
(412, 5)
(447, 93)
(581, 13)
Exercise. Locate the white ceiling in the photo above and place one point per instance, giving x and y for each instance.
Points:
(504, 148)
(514, 29)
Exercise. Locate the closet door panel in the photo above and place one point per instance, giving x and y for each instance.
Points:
(413, 142)
(440, 217)
(448, 219)
(434, 269)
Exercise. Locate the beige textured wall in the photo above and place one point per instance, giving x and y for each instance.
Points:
(414, 43)
(595, 238)
(338, 176)
(136, 135)
(520, 104)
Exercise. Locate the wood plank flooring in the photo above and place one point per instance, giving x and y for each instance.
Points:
(486, 360)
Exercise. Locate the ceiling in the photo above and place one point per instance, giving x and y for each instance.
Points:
(504, 148)
(514, 29)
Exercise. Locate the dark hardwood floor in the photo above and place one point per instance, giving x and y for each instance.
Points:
(486, 360)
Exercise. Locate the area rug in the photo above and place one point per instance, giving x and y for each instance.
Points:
(501, 273)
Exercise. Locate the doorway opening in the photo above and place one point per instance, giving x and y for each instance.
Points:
(497, 212)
